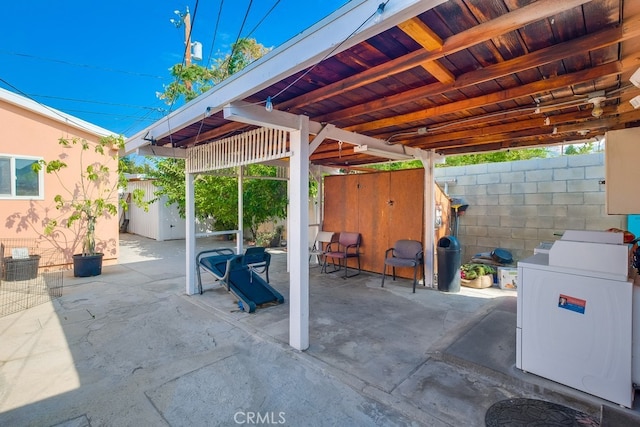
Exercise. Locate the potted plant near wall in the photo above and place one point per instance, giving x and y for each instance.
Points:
(475, 275)
(92, 196)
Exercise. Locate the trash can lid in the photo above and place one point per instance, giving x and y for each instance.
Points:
(449, 242)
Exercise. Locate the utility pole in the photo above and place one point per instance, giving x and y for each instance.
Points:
(185, 19)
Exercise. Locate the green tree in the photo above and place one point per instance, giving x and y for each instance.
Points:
(585, 148)
(216, 197)
(201, 79)
(495, 157)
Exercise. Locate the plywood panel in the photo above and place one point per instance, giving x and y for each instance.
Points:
(334, 203)
(383, 207)
(374, 219)
(406, 205)
(406, 209)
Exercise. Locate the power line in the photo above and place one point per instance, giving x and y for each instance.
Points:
(215, 33)
(59, 61)
(88, 101)
(52, 110)
(377, 12)
(263, 18)
(234, 46)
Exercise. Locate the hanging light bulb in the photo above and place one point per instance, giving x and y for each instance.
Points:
(268, 105)
(379, 13)
(597, 108)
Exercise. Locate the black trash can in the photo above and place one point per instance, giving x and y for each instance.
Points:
(449, 264)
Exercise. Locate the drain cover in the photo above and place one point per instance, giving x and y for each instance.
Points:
(532, 412)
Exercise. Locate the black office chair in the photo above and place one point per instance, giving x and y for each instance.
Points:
(405, 253)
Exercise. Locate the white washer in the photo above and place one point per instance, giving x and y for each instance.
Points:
(575, 327)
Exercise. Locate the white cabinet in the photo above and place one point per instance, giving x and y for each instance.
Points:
(575, 329)
(622, 157)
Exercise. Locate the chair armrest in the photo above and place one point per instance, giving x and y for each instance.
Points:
(354, 247)
(386, 253)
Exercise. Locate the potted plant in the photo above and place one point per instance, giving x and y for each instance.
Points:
(93, 196)
(474, 275)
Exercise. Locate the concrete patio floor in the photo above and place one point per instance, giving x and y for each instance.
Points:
(130, 348)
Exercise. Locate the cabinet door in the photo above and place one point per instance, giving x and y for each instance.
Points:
(335, 203)
(621, 162)
(373, 219)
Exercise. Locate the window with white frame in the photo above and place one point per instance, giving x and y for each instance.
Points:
(18, 179)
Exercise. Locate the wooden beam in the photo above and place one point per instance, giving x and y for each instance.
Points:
(480, 33)
(464, 144)
(530, 89)
(428, 39)
(629, 29)
(421, 33)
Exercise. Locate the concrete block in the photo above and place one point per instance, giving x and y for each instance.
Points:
(511, 199)
(567, 223)
(524, 211)
(475, 231)
(500, 232)
(552, 187)
(489, 178)
(524, 187)
(537, 199)
(489, 200)
(551, 210)
(511, 221)
(465, 180)
(585, 160)
(554, 162)
(595, 198)
(568, 173)
(512, 177)
(499, 189)
(539, 175)
(524, 233)
(488, 220)
(583, 211)
(594, 172)
(568, 199)
(525, 165)
(584, 185)
(488, 243)
(477, 169)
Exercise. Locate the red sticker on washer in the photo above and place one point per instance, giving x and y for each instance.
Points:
(573, 304)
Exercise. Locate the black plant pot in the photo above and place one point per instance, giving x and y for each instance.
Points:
(87, 265)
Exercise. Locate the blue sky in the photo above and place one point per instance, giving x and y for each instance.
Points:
(104, 61)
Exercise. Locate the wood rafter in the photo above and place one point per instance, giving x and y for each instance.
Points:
(628, 30)
(425, 37)
(530, 89)
(483, 32)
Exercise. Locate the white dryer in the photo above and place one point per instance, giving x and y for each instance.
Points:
(574, 325)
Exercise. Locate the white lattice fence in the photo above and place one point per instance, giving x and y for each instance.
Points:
(256, 146)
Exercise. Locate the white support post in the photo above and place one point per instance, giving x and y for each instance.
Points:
(190, 240)
(429, 213)
(289, 223)
(299, 237)
(239, 236)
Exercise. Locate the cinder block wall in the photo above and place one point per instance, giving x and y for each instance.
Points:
(517, 205)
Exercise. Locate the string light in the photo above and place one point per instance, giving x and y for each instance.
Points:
(268, 105)
(379, 13)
